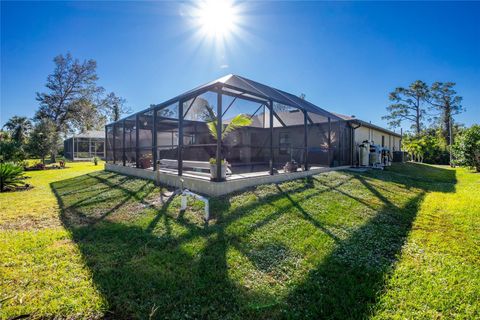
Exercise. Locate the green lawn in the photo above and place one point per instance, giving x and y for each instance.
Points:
(397, 244)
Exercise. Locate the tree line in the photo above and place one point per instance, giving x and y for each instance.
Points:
(72, 102)
(429, 111)
(420, 104)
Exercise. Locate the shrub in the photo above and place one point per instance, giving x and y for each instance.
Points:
(11, 176)
(39, 166)
(426, 147)
(466, 149)
(11, 151)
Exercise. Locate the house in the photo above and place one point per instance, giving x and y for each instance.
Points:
(85, 146)
(373, 133)
(173, 139)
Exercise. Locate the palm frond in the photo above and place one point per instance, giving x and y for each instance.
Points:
(11, 176)
(238, 121)
(212, 127)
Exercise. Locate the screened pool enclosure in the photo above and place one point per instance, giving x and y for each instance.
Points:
(85, 146)
(234, 125)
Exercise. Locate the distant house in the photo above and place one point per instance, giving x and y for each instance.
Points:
(85, 146)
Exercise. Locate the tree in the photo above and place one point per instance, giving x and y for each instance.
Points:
(466, 149)
(9, 149)
(69, 86)
(166, 112)
(114, 107)
(18, 127)
(89, 117)
(427, 147)
(43, 139)
(444, 99)
(408, 106)
(414, 147)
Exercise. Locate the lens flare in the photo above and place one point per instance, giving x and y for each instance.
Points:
(216, 18)
(217, 29)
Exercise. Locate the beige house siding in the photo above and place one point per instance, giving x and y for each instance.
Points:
(363, 133)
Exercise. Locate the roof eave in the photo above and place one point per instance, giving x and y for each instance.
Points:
(373, 126)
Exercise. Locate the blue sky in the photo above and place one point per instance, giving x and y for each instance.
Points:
(345, 57)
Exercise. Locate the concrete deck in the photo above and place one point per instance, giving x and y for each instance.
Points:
(201, 183)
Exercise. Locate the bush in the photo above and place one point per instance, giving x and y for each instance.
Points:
(11, 176)
(11, 151)
(436, 156)
(466, 149)
(39, 166)
(426, 147)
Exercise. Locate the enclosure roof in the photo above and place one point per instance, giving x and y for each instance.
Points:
(269, 93)
(90, 134)
(368, 124)
(247, 88)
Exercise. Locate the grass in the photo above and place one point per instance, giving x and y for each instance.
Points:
(42, 271)
(38, 207)
(401, 243)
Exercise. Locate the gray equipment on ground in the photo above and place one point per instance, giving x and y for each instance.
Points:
(364, 151)
(386, 157)
(399, 156)
(375, 157)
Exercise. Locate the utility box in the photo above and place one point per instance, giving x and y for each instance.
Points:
(399, 156)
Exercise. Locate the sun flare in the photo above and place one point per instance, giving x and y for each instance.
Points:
(216, 18)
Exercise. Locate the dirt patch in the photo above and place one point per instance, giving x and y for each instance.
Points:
(20, 188)
(29, 222)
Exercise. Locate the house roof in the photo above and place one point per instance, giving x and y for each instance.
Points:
(90, 134)
(290, 118)
(368, 124)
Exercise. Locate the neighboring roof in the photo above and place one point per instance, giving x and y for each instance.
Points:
(252, 89)
(367, 124)
(290, 118)
(344, 117)
(90, 134)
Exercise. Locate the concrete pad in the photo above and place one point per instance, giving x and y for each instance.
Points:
(210, 188)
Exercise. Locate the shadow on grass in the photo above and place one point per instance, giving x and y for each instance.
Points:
(173, 267)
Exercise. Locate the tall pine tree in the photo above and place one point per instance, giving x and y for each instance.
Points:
(408, 106)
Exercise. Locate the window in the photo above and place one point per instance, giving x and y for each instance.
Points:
(383, 141)
(284, 143)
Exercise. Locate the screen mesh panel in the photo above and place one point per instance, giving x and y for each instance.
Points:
(300, 131)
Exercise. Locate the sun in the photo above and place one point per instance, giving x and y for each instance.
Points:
(216, 18)
(216, 29)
